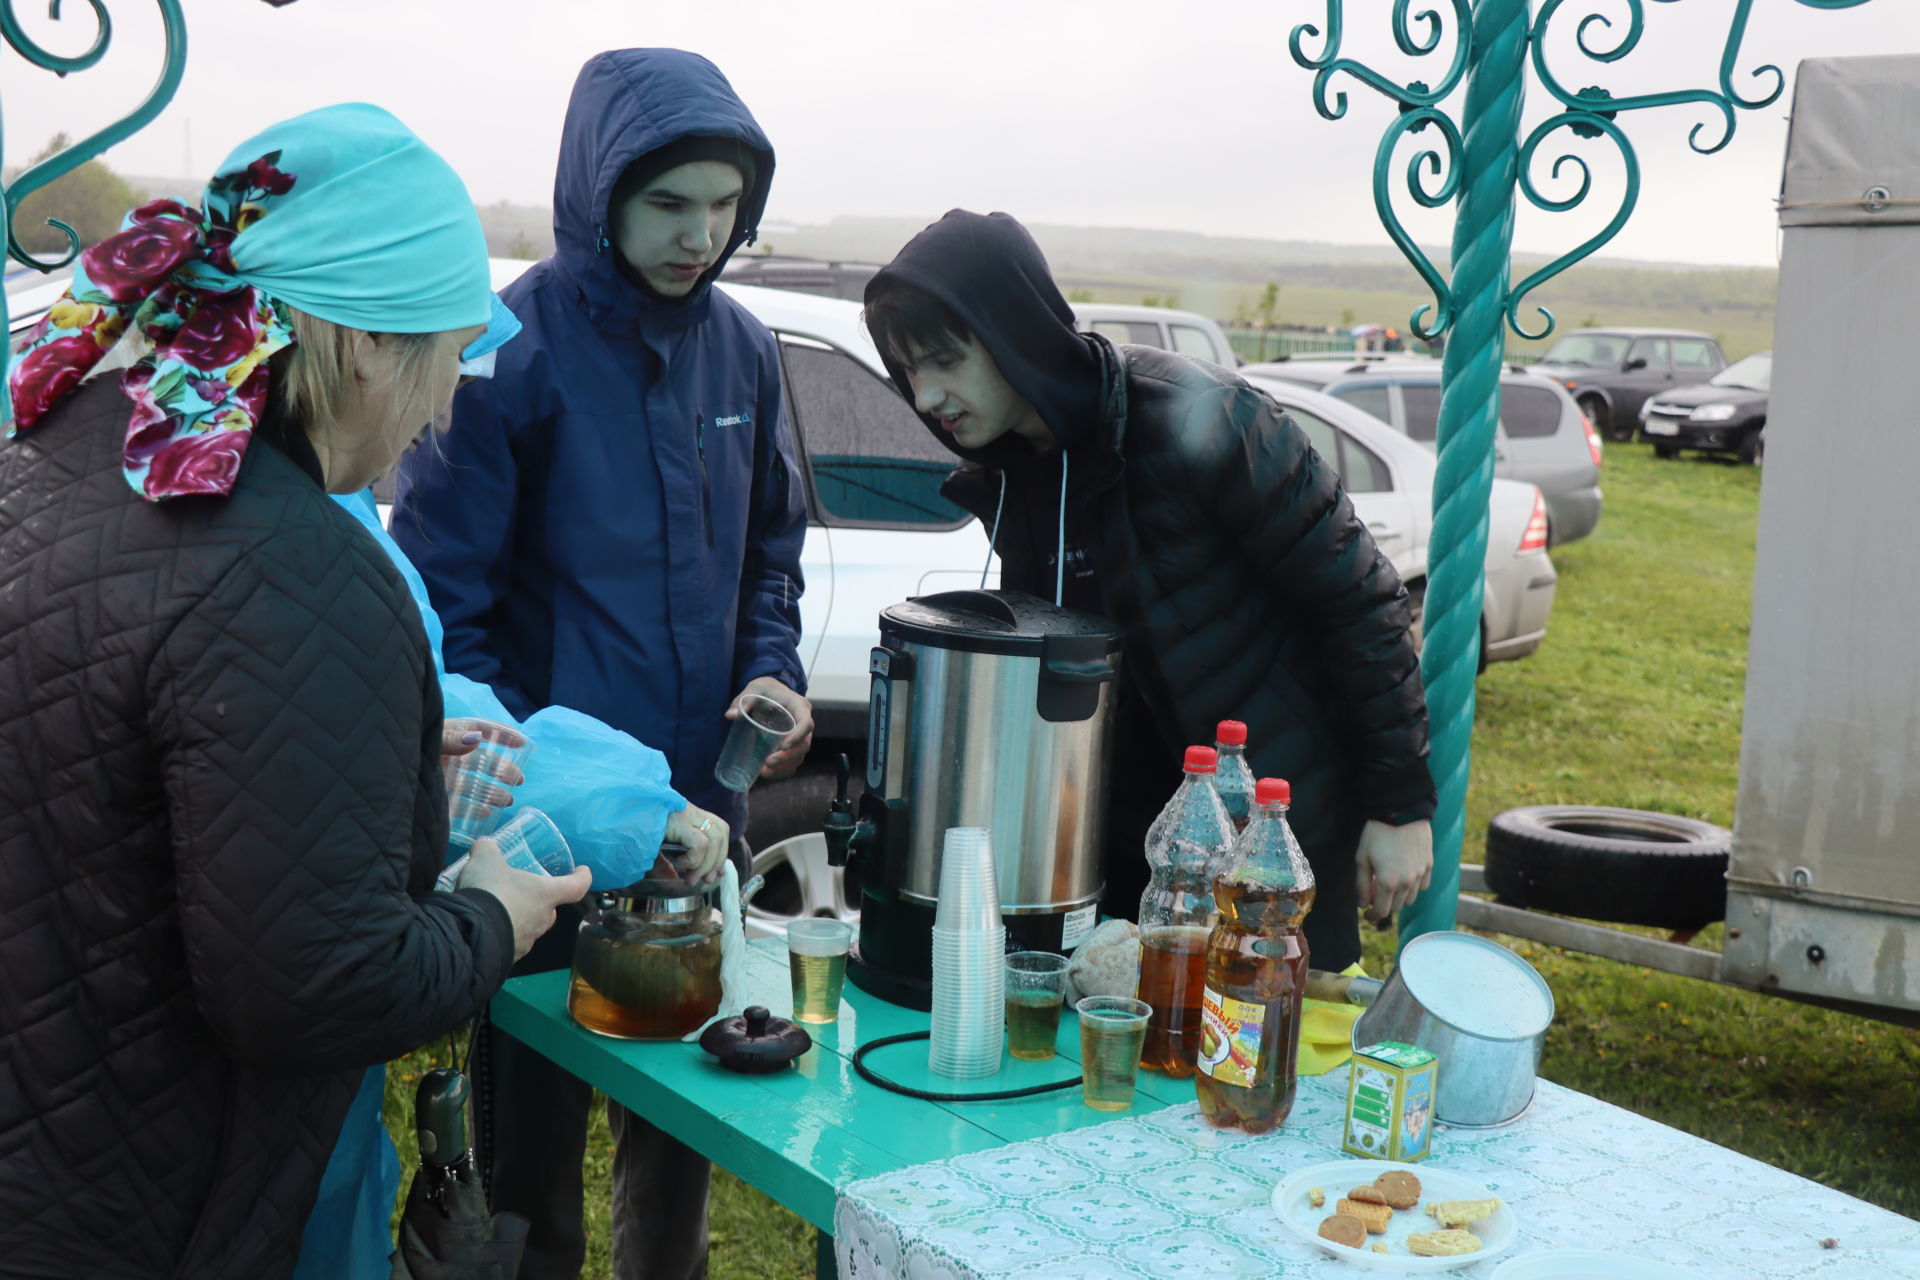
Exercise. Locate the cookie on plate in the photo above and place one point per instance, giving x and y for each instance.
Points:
(1376, 1216)
(1398, 1188)
(1344, 1229)
(1443, 1244)
(1458, 1213)
(1371, 1195)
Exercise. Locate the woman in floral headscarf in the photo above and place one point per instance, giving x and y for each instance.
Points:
(220, 726)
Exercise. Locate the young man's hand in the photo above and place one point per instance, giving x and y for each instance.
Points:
(1392, 866)
(793, 748)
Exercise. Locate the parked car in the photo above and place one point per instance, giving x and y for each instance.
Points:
(828, 279)
(1725, 414)
(1542, 438)
(1611, 372)
(1188, 332)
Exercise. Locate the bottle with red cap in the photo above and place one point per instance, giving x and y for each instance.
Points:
(1231, 776)
(1256, 972)
(1187, 846)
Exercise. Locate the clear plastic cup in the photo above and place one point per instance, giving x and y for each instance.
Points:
(479, 784)
(1113, 1029)
(817, 965)
(531, 841)
(756, 731)
(1036, 990)
(969, 897)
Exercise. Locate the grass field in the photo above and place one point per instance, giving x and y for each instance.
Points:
(1634, 700)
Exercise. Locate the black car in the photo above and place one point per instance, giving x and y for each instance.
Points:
(1612, 372)
(1726, 414)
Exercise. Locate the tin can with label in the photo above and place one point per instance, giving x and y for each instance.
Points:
(1390, 1102)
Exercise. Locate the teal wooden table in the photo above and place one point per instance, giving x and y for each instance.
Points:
(801, 1134)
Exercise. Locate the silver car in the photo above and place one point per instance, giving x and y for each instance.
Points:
(1542, 437)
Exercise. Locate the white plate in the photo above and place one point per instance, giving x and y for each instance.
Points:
(1586, 1264)
(1655, 427)
(1341, 1176)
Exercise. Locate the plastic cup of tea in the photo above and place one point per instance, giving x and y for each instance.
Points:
(531, 841)
(756, 731)
(1036, 989)
(817, 964)
(1113, 1029)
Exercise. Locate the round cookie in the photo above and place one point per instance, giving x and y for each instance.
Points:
(1398, 1188)
(1344, 1229)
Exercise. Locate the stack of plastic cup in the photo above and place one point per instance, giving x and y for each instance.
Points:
(478, 783)
(969, 961)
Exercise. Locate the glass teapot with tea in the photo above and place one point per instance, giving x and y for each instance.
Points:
(647, 962)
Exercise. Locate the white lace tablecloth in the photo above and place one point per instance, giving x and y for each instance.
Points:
(1164, 1196)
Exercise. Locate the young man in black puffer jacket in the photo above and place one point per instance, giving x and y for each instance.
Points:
(1167, 494)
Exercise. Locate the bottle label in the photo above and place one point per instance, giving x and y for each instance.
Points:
(1230, 1038)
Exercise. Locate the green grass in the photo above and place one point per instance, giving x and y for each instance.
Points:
(1634, 700)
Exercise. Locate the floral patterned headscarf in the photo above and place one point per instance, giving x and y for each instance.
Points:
(341, 212)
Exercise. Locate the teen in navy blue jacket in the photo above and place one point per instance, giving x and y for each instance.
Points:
(614, 524)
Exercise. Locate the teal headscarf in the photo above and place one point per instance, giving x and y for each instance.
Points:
(343, 213)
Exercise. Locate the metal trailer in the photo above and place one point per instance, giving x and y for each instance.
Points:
(1823, 901)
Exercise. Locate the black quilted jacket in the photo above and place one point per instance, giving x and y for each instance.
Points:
(1248, 590)
(219, 824)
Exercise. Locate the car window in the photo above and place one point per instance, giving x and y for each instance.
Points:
(1374, 399)
(1421, 404)
(1189, 341)
(1139, 332)
(1653, 351)
(873, 461)
(1361, 469)
(1594, 350)
(1692, 353)
(1529, 411)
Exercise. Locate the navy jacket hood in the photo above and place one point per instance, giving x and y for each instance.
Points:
(627, 103)
(989, 271)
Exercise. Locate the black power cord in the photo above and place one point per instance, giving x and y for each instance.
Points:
(873, 1077)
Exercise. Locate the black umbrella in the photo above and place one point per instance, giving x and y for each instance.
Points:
(447, 1231)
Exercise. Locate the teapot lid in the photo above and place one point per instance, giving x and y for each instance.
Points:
(756, 1042)
(1003, 622)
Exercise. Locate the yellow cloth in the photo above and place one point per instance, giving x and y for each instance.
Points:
(1326, 1031)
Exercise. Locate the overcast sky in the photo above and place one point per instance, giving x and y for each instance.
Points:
(1184, 114)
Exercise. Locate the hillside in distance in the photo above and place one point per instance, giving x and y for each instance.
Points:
(1320, 285)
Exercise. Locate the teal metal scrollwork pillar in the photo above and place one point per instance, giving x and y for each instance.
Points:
(1482, 164)
(1489, 162)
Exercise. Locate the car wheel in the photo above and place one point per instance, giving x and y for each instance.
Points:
(1602, 420)
(783, 828)
(1666, 451)
(1627, 866)
(1752, 447)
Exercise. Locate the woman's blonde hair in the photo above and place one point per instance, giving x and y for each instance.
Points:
(316, 385)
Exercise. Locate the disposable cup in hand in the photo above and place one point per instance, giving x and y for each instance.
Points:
(479, 783)
(531, 842)
(1036, 989)
(817, 963)
(760, 727)
(498, 753)
(1113, 1029)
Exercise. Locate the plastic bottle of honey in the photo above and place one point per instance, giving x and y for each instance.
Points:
(1256, 972)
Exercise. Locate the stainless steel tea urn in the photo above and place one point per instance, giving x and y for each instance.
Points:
(987, 709)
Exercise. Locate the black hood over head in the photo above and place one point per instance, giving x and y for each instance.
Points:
(989, 272)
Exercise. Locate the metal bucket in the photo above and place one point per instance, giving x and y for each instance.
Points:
(1481, 1010)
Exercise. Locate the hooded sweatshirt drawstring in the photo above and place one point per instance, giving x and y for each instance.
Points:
(1060, 556)
(993, 534)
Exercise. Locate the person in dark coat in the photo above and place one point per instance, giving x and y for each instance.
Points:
(615, 525)
(221, 812)
(1168, 495)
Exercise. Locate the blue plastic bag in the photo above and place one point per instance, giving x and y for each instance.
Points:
(610, 795)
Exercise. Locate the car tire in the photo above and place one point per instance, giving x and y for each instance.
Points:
(1753, 447)
(1625, 866)
(1602, 419)
(1666, 451)
(783, 830)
